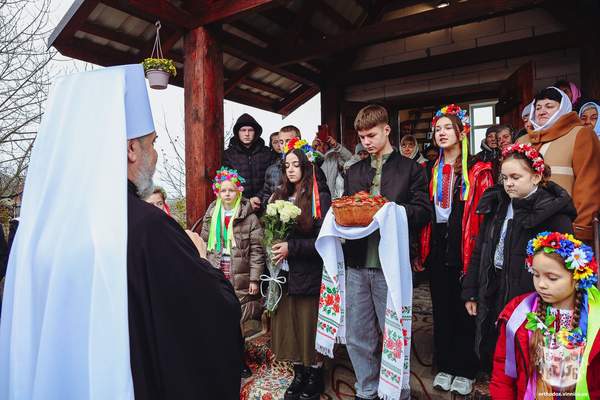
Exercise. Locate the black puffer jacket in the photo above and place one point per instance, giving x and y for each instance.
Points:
(250, 162)
(550, 208)
(306, 265)
(404, 182)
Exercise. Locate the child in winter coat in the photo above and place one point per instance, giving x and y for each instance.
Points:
(456, 186)
(294, 322)
(233, 235)
(549, 346)
(524, 204)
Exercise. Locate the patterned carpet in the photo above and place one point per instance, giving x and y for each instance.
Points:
(271, 378)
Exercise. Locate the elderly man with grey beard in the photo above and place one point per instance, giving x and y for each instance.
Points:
(106, 295)
(183, 314)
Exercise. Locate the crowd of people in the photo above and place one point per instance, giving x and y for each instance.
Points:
(502, 237)
(470, 219)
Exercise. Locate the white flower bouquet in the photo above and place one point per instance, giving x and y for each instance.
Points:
(278, 220)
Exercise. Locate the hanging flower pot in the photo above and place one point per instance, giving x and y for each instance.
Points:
(158, 71)
(157, 67)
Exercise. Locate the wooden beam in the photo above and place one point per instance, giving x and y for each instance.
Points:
(70, 23)
(444, 96)
(295, 100)
(165, 11)
(345, 60)
(428, 21)
(331, 97)
(114, 35)
(228, 10)
(477, 55)
(284, 18)
(262, 57)
(143, 13)
(334, 15)
(265, 87)
(85, 50)
(203, 96)
(365, 4)
(255, 100)
(252, 31)
(238, 76)
(296, 28)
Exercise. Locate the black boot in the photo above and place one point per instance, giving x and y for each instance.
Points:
(314, 385)
(297, 386)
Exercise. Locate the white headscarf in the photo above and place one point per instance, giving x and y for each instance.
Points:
(64, 332)
(564, 108)
(588, 105)
(527, 110)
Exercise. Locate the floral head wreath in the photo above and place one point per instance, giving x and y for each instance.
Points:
(301, 144)
(311, 154)
(532, 155)
(453, 109)
(225, 174)
(436, 182)
(578, 257)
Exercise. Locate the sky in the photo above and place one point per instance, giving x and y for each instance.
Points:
(168, 109)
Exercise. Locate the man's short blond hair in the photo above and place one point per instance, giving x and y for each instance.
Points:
(291, 128)
(370, 116)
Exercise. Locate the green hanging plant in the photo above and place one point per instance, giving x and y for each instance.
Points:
(162, 64)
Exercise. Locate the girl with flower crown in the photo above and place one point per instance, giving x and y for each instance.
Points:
(294, 322)
(456, 186)
(234, 242)
(525, 203)
(549, 346)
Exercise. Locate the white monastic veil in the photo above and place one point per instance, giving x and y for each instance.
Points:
(564, 108)
(64, 330)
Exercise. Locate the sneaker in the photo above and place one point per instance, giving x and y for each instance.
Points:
(442, 381)
(462, 385)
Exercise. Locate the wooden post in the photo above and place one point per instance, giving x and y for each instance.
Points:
(393, 116)
(589, 61)
(330, 110)
(203, 92)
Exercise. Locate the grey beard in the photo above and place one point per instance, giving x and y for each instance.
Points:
(143, 182)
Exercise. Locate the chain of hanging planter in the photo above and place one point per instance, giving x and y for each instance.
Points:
(158, 68)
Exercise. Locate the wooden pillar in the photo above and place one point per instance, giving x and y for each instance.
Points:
(589, 62)
(203, 92)
(393, 116)
(330, 110)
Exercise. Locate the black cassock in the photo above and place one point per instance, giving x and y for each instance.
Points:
(184, 317)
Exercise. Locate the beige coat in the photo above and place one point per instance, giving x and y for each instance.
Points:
(573, 153)
(248, 256)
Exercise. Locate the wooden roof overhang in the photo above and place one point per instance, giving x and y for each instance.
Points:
(277, 54)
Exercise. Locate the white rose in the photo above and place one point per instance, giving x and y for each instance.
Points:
(271, 210)
(295, 212)
(280, 204)
(284, 217)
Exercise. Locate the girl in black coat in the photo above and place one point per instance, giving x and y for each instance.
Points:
(525, 204)
(294, 322)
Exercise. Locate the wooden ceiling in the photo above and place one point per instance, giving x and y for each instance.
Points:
(280, 53)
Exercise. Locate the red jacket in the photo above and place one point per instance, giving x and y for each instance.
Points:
(480, 176)
(503, 387)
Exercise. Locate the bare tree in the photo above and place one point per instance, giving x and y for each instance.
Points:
(172, 172)
(24, 81)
